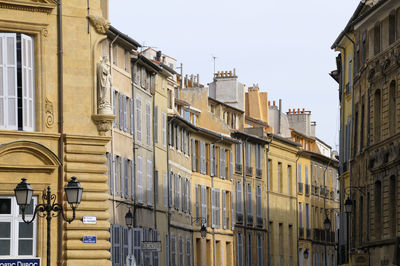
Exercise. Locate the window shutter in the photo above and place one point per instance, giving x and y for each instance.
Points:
(28, 85)
(120, 113)
(221, 175)
(201, 157)
(223, 209)
(138, 119)
(239, 199)
(231, 164)
(139, 180)
(137, 241)
(249, 200)
(181, 139)
(121, 176)
(133, 185)
(183, 194)
(184, 148)
(148, 123)
(112, 160)
(232, 211)
(212, 160)
(149, 183)
(125, 113)
(132, 115)
(8, 94)
(213, 208)
(125, 244)
(114, 104)
(117, 245)
(196, 187)
(194, 155)
(190, 196)
(258, 201)
(165, 190)
(164, 129)
(155, 124)
(203, 196)
(126, 175)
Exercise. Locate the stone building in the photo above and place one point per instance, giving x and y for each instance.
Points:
(48, 84)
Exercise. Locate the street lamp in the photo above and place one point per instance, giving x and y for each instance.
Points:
(327, 224)
(348, 205)
(23, 194)
(306, 254)
(129, 218)
(203, 228)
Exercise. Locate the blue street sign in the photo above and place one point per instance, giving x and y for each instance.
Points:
(88, 240)
(20, 262)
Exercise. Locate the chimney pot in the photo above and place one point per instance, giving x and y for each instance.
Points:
(230, 73)
(290, 111)
(269, 103)
(298, 110)
(304, 110)
(274, 102)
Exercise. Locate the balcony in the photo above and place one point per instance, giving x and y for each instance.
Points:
(250, 219)
(238, 168)
(258, 173)
(239, 218)
(260, 222)
(301, 188)
(301, 232)
(249, 171)
(307, 189)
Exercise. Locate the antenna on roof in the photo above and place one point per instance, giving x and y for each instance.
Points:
(146, 46)
(214, 57)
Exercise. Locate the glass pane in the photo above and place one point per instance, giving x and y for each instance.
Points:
(5, 228)
(1, 51)
(25, 247)
(25, 230)
(11, 81)
(28, 209)
(5, 205)
(1, 80)
(10, 51)
(4, 247)
(1, 112)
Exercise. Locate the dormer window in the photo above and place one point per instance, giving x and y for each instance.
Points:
(17, 85)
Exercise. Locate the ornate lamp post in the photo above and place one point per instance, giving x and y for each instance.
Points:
(23, 194)
(129, 218)
(203, 228)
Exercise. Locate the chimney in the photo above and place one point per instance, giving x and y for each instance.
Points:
(274, 103)
(158, 56)
(234, 72)
(280, 116)
(290, 111)
(298, 110)
(269, 103)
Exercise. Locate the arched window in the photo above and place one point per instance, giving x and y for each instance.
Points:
(377, 115)
(378, 209)
(392, 108)
(392, 196)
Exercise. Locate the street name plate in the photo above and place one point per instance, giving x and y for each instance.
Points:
(20, 262)
(89, 239)
(151, 245)
(89, 220)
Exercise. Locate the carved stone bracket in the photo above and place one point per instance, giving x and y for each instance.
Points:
(103, 122)
(49, 113)
(100, 24)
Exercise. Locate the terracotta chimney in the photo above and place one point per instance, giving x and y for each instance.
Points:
(298, 110)
(269, 103)
(274, 102)
(290, 111)
(304, 110)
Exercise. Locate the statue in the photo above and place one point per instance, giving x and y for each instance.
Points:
(103, 86)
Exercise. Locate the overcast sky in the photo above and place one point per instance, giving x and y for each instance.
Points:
(284, 46)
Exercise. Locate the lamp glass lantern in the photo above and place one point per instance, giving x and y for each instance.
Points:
(203, 231)
(23, 193)
(73, 192)
(327, 224)
(129, 218)
(348, 205)
(306, 254)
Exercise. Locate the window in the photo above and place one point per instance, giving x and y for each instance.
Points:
(222, 163)
(249, 250)
(180, 251)
(280, 185)
(300, 215)
(165, 190)
(155, 124)
(289, 175)
(238, 159)
(16, 237)
(138, 119)
(258, 202)
(377, 38)
(149, 182)
(259, 251)
(392, 108)
(392, 27)
(173, 251)
(164, 128)
(188, 253)
(203, 200)
(17, 88)
(363, 47)
(249, 201)
(307, 216)
(139, 180)
(224, 218)
(239, 249)
(377, 115)
(148, 130)
(239, 199)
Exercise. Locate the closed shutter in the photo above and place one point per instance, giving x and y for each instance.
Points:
(212, 160)
(249, 200)
(232, 211)
(240, 249)
(196, 187)
(137, 242)
(231, 164)
(125, 113)
(116, 245)
(213, 216)
(218, 208)
(170, 189)
(149, 183)
(116, 173)
(183, 194)
(114, 104)
(223, 209)
(148, 130)
(239, 200)
(189, 197)
(202, 156)
(204, 204)
(306, 174)
(165, 190)
(28, 85)
(125, 244)
(155, 124)
(194, 168)
(164, 129)
(120, 112)
(8, 88)
(139, 180)
(166, 250)
(184, 149)
(138, 119)
(177, 191)
(258, 201)
(131, 115)
(111, 169)
(133, 185)
(126, 175)
(121, 176)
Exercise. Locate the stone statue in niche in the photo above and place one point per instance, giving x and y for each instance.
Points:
(103, 86)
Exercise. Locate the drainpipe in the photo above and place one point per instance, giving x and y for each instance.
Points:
(268, 207)
(154, 158)
(244, 194)
(60, 126)
(297, 204)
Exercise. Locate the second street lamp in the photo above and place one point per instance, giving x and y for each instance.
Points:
(24, 192)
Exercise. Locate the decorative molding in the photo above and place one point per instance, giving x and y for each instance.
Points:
(45, 6)
(103, 122)
(49, 113)
(100, 24)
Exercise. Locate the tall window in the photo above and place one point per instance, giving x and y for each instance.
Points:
(392, 27)
(148, 130)
(377, 115)
(17, 88)
(289, 176)
(392, 108)
(16, 237)
(300, 215)
(239, 249)
(249, 250)
(280, 185)
(378, 209)
(259, 250)
(138, 119)
(377, 38)
(393, 201)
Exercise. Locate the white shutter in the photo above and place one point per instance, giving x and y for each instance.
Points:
(170, 174)
(194, 168)
(120, 113)
(217, 208)
(212, 160)
(126, 175)
(189, 197)
(202, 155)
(138, 119)
(203, 196)
(232, 211)
(114, 104)
(249, 200)
(164, 129)
(133, 179)
(131, 114)
(213, 208)
(183, 194)
(258, 201)
(148, 123)
(139, 180)
(197, 214)
(223, 209)
(125, 113)
(149, 183)
(239, 198)
(165, 190)
(28, 83)
(231, 165)
(8, 88)
(121, 176)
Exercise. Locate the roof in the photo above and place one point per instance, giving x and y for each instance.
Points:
(113, 32)
(323, 142)
(253, 138)
(320, 156)
(369, 11)
(251, 119)
(303, 135)
(284, 139)
(141, 59)
(227, 105)
(183, 121)
(217, 135)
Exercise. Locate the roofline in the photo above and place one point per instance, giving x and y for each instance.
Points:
(253, 138)
(112, 32)
(320, 156)
(256, 121)
(284, 139)
(182, 120)
(227, 105)
(370, 11)
(217, 135)
(149, 63)
(323, 142)
(301, 134)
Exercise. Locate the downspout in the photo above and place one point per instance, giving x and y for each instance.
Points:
(244, 194)
(154, 158)
(297, 205)
(60, 127)
(268, 207)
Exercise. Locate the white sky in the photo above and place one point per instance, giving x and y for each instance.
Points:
(284, 46)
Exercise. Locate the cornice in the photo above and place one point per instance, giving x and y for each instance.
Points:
(45, 6)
